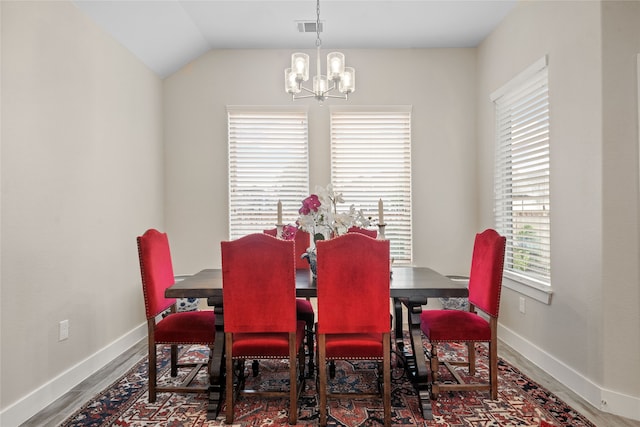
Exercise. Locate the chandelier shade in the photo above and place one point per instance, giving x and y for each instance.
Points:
(335, 65)
(300, 65)
(338, 77)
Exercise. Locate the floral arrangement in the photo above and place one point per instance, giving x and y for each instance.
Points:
(319, 215)
(320, 218)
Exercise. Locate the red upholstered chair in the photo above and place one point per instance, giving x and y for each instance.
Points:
(191, 327)
(371, 233)
(304, 309)
(259, 291)
(353, 309)
(485, 283)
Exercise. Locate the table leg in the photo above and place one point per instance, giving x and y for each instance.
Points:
(414, 361)
(397, 313)
(421, 374)
(216, 369)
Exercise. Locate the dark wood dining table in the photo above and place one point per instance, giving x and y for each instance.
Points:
(409, 286)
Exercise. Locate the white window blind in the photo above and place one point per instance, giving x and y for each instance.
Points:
(268, 161)
(371, 160)
(522, 191)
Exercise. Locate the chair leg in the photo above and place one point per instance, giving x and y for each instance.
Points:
(435, 366)
(174, 360)
(293, 381)
(322, 379)
(493, 358)
(493, 369)
(152, 373)
(229, 375)
(471, 357)
(386, 387)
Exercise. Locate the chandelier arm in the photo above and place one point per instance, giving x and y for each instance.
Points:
(306, 89)
(325, 92)
(303, 96)
(337, 96)
(329, 89)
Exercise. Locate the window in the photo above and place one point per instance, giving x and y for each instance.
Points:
(371, 160)
(521, 184)
(268, 161)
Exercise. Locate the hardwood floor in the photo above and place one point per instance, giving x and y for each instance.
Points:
(597, 417)
(59, 410)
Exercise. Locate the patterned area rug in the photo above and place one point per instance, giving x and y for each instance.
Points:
(521, 401)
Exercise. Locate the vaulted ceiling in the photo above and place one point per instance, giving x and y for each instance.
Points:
(167, 34)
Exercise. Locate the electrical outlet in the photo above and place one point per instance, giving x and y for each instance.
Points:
(522, 307)
(63, 330)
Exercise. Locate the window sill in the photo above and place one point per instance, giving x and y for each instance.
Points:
(540, 293)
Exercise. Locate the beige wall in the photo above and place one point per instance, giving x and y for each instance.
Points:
(583, 338)
(621, 277)
(82, 176)
(439, 84)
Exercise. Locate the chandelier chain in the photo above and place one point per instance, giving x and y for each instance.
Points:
(318, 40)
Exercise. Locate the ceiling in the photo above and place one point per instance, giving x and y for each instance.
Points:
(168, 34)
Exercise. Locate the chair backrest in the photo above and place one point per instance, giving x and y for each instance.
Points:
(353, 285)
(366, 232)
(302, 241)
(259, 284)
(485, 279)
(156, 269)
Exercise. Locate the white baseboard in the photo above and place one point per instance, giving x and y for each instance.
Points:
(600, 398)
(40, 398)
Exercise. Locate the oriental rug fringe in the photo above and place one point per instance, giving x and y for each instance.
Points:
(521, 401)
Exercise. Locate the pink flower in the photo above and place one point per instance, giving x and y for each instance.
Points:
(311, 203)
(289, 232)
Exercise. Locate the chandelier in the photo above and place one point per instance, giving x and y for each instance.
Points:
(338, 76)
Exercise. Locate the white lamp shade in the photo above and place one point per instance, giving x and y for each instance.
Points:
(335, 65)
(300, 66)
(348, 81)
(320, 85)
(290, 83)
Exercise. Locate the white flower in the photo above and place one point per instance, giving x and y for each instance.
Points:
(323, 221)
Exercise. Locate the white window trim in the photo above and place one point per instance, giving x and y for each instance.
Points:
(511, 280)
(542, 293)
(520, 78)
